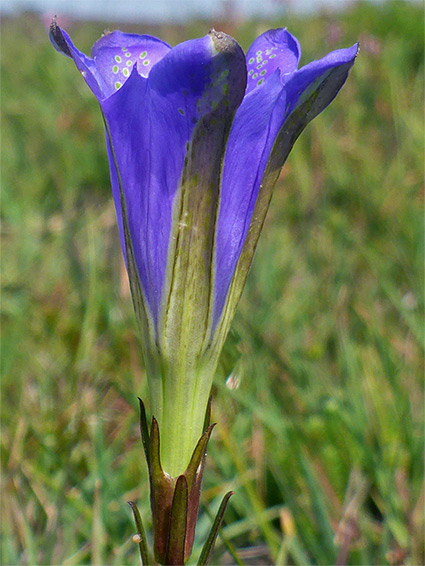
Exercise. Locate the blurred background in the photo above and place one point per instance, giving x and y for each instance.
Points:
(319, 396)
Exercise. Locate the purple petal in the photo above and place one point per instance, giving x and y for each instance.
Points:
(116, 53)
(87, 67)
(258, 146)
(301, 84)
(274, 49)
(151, 123)
(248, 148)
(113, 58)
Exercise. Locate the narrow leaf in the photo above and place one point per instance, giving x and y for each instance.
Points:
(212, 537)
(144, 554)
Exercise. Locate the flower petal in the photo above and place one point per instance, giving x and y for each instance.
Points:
(324, 77)
(247, 185)
(161, 133)
(220, 82)
(251, 139)
(87, 67)
(274, 49)
(116, 53)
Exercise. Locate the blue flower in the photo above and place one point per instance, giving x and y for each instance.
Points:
(196, 137)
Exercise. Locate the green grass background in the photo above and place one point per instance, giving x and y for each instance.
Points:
(322, 439)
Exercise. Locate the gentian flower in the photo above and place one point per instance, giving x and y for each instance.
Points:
(196, 137)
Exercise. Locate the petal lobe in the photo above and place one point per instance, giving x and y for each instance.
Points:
(274, 49)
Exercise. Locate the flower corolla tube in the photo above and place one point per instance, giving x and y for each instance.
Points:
(196, 137)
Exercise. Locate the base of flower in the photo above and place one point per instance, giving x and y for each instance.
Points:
(174, 502)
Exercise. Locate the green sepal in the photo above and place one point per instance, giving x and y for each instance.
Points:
(174, 501)
(154, 462)
(162, 490)
(168, 494)
(144, 432)
(194, 473)
(207, 419)
(178, 524)
(198, 455)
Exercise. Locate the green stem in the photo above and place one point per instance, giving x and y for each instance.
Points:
(180, 412)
